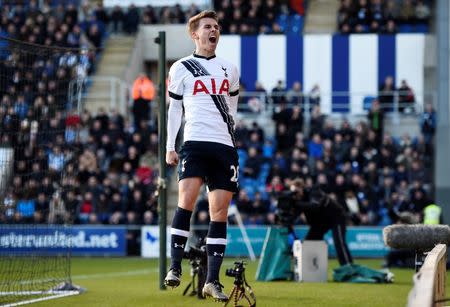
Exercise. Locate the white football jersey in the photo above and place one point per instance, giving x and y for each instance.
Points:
(208, 89)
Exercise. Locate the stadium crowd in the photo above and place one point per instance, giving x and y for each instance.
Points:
(103, 169)
(383, 16)
(237, 16)
(375, 176)
(67, 167)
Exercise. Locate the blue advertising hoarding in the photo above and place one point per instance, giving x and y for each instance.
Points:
(82, 240)
(362, 241)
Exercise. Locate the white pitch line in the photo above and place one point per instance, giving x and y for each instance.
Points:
(114, 274)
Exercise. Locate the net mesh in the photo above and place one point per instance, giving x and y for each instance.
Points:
(39, 116)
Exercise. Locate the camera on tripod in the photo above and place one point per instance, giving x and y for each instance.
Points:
(198, 259)
(196, 254)
(241, 289)
(237, 271)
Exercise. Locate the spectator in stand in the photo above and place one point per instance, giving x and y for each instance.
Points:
(117, 19)
(407, 12)
(428, 123)
(422, 12)
(317, 120)
(363, 15)
(282, 113)
(143, 94)
(390, 28)
(314, 95)
(178, 15)
(278, 92)
(131, 20)
(257, 103)
(57, 213)
(315, 147)
(386, 93)
(283, 140)
(166, 15)
(192, 11)
(295, 123)
(252, 164)
(405, 97)
(149, 15)
(382, 16)
(294, 95)
(391, 10)
(376, 10)
(94, 35)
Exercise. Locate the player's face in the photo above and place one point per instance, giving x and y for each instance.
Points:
(206, 37)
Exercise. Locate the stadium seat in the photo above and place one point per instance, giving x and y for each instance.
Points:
(283, 21)
(295, 24)
(242, 154)
(367, 102)
(406, 28)
(422, 28)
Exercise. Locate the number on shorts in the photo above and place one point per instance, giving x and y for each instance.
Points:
(235, 170)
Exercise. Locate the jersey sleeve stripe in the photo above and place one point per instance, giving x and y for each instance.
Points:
(175, 96)
(236, 92)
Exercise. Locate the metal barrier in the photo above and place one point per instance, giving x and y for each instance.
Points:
(116, 91)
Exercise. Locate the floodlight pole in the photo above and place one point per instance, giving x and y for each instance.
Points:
(162, 187)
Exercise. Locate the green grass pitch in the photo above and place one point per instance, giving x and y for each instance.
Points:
(135, 282)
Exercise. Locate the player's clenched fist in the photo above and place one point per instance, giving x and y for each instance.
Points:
(172, 158)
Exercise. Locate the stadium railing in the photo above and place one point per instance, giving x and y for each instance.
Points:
(429, 282)
(109, 88)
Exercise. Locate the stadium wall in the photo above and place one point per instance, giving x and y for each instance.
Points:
(95, 240)
(355, 63)
(363, 242)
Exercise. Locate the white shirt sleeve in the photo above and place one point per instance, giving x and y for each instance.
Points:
(234, 93)
(176, 81)
(175, 114)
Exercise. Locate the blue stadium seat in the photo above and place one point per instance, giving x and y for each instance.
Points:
(250, 186)
(295, 24)
(367, 102)
(283, 21)
(406, 28)
(267, 150)
(65, 2)
(242, 155)
(422, 28)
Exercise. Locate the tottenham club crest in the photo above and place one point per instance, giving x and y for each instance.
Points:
(225, 72)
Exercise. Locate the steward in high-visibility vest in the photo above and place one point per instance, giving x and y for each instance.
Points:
(143, 88)
(143, 93)
(432, 214)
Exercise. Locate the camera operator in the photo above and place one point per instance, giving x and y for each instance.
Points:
(322, 214)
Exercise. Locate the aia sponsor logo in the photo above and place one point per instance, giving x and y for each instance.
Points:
(211, 87)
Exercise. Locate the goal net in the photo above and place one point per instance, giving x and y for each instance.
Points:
(39, 116)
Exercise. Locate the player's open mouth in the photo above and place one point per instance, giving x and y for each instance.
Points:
(213, 39)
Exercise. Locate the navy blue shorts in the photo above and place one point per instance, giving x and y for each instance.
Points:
(217, 164)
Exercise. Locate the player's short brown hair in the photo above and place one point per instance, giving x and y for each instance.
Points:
(194, 21)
